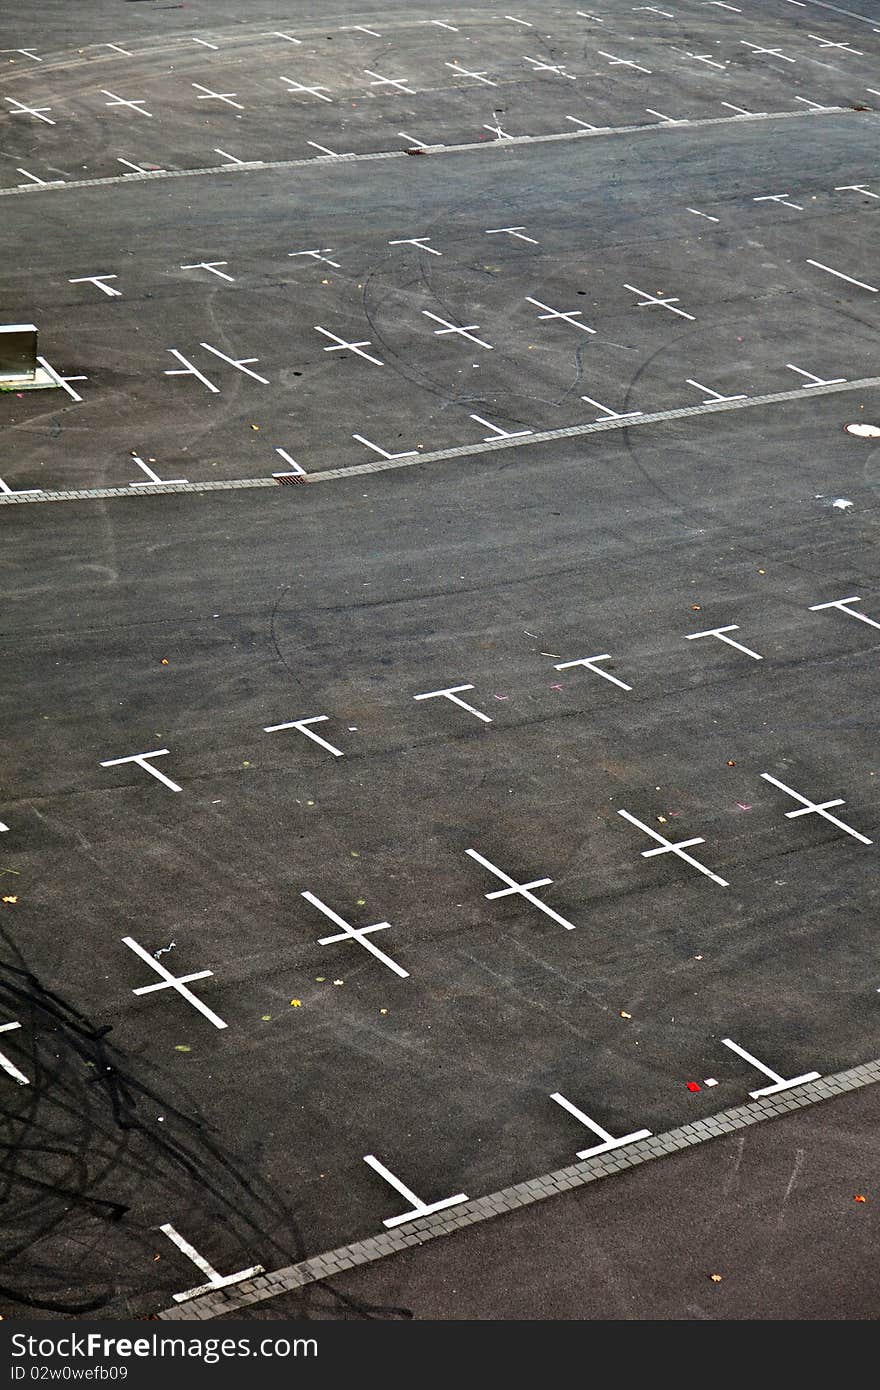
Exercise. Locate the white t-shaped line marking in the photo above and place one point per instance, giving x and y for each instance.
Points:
(142, 760)
(780, 1084)
(301, 724)
(719, 633)
(450, 693)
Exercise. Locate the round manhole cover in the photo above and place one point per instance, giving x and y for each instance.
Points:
(864, 431)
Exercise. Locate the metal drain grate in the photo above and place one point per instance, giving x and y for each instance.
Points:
(284, 478)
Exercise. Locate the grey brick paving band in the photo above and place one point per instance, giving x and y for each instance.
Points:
(357, 470)
(422, 1230)
(257, 165)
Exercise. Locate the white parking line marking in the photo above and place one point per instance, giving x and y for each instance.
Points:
(188, 369)
(10, 1067)
(358, 934)
(524, 890)
(121, 101)
(176, 982)
(451, 693)
(816, 808)
(419, 1208)
(215, 1280)
(589, 661)
(206, 94)
(779, 1083)
(842, 604)
(465, 331)
(302, 724)
(840, 275)
(667, 847)
(569, 317)
(608, 1140)
(98, 280)
(340, 345)
(212, 267)
(142, 760)
(668, 303)
(21, 110)
(719, 632)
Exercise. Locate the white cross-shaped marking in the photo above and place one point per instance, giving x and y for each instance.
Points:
(498, 432)
(827, 43)
(480, 76)
(523, 889)
(719, 633)
(667, 847)
(340, 345)
(512, 231)
(623, 62)
(814, 380)
(121, 101)
(774, 52)
(608, 412)
(398, 82)
(62, 380)
(663, 303)
(5, 1063)
(714, 395)
(212, 267)
(779, 1083)
(221, 96)
(377, 448)
(241, 363)
(419, 241)
(215, 1280)
(708, 60)
(419, 1208)
(451, 693)
(99, 281)
(22, 110)
(778, 198)
(819, 808)
(608, 1141)
(842, 603)
(465, 331)
(302, 724)
(142, 759)
(357, 934)
(589, 661)
(313, 91)
(188, 369)
(569, 316)
(176, 982)
(856, 188)
(540, 66)
(318, 254)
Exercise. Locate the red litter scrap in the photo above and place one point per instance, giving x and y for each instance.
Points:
(693, 1086)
